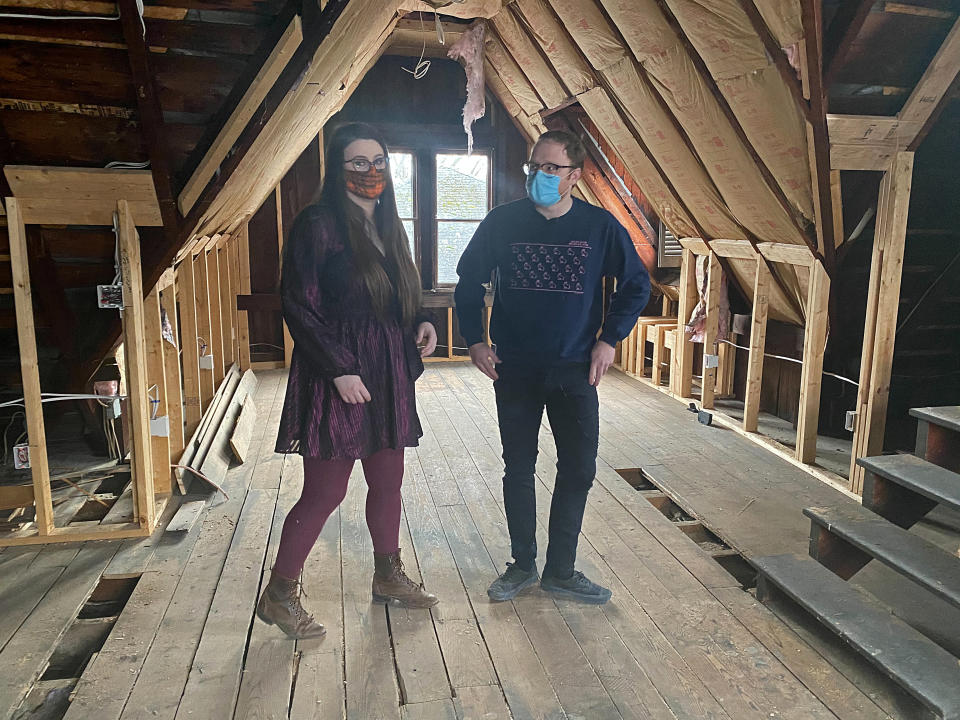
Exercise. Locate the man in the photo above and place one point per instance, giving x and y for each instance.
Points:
(548, 255)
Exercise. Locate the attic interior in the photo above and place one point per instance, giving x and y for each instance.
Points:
(786, 171)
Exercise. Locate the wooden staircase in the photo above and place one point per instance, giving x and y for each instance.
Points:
(899, 490)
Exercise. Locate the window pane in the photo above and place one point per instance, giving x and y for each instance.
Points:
(462, 186)
(401, 169)
(452, 239)
(408, 226)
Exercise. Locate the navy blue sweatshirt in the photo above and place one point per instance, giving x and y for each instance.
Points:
(547, 279)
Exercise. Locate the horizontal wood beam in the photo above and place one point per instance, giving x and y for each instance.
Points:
(744, 250)
(261, 85)
(82, 196)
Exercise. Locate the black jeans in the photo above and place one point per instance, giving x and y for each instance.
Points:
(573, 411)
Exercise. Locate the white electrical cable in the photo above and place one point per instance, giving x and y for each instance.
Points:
(122, 165)
(423, 66)
(794, 360)
(23, 16)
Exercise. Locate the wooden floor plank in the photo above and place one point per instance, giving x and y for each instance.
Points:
(843, 698)
(522, 677)
(161, 682)
(421, 672)
(432, 710)
(214, 680)
(265, 689)
(371, 680)
(23, 657)
(319, 690)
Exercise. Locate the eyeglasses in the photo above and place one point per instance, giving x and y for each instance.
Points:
(530, 168)
(361, 164)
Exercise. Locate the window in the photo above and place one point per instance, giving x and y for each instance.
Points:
(463, 199)
(402, 172)
(453, 190)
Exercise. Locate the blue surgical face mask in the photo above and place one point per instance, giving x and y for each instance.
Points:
(543, 189)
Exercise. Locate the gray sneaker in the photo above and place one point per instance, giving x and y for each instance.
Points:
(576, 587)
(513, 580)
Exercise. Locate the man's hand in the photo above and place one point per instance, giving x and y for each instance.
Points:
(426, 339)
(485, 359)
(600, 361)
(352, 390)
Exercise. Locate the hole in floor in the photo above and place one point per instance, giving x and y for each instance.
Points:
(108, 598)
(637, 478)
(708, 541)
(76, 647)
(49, 698)
(115, 482)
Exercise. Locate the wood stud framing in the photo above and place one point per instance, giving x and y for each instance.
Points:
(710, 330)
(883, 300)
(811, 378)
(758, 339)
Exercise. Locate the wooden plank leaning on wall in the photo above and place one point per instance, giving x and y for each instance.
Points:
(883, 302)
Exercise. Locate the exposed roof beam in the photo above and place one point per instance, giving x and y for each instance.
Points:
(241, 113)
(817, 129)
(151, 115)
(839, 37)
(927, 99)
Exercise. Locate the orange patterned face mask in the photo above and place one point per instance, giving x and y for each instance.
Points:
(369, 184)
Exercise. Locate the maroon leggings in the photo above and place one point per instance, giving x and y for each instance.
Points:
(324, 487)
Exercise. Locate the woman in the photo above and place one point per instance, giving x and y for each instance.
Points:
(351, 299)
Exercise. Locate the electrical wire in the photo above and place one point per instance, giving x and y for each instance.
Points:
(24, 16)
(794, 360)
(422, 67)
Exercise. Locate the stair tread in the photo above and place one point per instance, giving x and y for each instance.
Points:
(947, 416)
(923, 668)
(917, 474)
(911, 555)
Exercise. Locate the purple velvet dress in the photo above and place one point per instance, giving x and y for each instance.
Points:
(336, 332)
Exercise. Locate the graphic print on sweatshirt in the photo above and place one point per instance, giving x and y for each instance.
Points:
(549, 268)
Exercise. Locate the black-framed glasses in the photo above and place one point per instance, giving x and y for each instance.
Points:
(530, 168)
(361, 164)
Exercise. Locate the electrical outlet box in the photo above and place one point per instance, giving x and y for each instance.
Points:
(21, 456)
(110, 297)
(113, 409)
(711, 361)
(206, 362)
(851, 421)
(160, 426)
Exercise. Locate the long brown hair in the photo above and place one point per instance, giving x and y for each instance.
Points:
(350, 221)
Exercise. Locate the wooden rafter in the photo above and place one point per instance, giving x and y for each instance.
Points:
(839, 36)
(242, 113)
(928, 97)
(151, 115)
(817, 129)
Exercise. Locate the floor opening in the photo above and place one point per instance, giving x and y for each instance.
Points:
(49, 698)
(108, 598)
(711, 543)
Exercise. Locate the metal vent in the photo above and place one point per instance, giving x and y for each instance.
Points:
(669, 250)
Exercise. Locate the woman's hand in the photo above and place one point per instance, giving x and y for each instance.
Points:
(351, 389)
(426, 339)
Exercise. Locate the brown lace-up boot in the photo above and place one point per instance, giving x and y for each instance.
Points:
(391, 584)
(280, 605)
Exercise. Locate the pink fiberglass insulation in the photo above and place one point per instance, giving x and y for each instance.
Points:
(469, 49)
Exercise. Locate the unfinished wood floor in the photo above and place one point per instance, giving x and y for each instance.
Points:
(680, 639)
